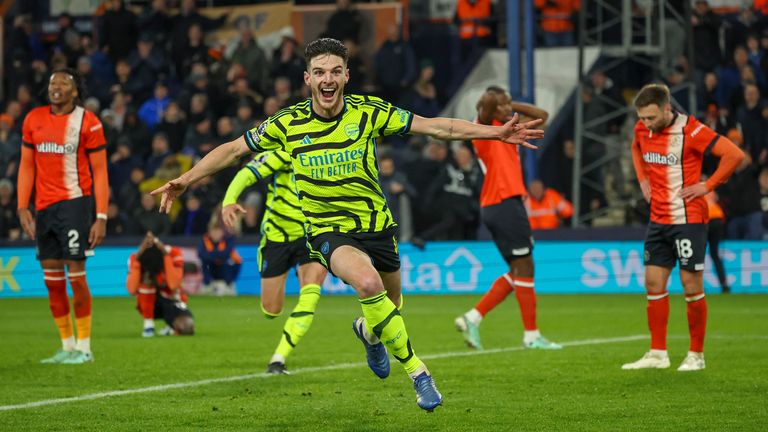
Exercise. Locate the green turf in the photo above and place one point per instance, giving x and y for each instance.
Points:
(578, 388)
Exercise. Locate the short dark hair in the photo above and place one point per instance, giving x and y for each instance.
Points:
(325, 46)
(495, 89)
(79, 83)
(652, 94)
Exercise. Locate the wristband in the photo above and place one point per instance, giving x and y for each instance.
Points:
(102, 216)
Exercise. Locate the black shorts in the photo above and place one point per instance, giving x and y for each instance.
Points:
(169, 310)
(276, 258)
(666, 244)
(62, 230)
(508, 223)
(380, 246)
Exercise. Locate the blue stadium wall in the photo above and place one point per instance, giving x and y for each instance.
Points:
(562, 267)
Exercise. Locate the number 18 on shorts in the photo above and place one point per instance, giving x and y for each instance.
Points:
(667, 244)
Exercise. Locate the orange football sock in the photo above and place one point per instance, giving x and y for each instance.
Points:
(499, 291)
(697, 321)
(658, 317)
(526, 300)
(147, 304)
(58, 301)
(82, 302)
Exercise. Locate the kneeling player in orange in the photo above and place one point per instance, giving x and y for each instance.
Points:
(154, 277)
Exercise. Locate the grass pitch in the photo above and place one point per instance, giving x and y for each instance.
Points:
(214, 380)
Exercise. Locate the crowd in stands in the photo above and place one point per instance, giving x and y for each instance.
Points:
(166, 98)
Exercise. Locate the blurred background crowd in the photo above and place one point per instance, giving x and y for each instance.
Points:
(166, 97)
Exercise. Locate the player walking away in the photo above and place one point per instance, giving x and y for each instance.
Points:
(155, 269)
(667, 152)
(331, 139)
(283, 246)
(503, 212)
(62, 144)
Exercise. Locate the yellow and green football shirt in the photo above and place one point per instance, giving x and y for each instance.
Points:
(283, 220)
(334, 161)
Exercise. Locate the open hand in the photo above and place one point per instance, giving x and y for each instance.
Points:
(27, 222)
(691, 192)
(97, 233)
(517, 133)
(231, 213)
(170, 191)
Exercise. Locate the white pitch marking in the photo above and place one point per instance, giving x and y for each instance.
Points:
(326, 368)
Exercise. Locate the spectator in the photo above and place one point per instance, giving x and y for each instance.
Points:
(248, 54)
(193, 50)
(118, 223)
(101, 65)
(154, 22)
(395, 65)
(751, 118)
(188, 17)
(129, 194)
(283, 93)
(253, 205)
(158, 269)
(192, 219)
(133, 89)
(96, 87)
(420, 171)
(160, 150)
(557, 21)
(287, 62)
(715, 233)
(358, 71)
(220, 261)
(706, 39)
(740, 197)
(174, 126)
(118, 30)
(473, 17)
(345, 23)
(423, 96)
(546, 207)
(395, 186)
(149, 218)
(9, 221)
(151, 111)
(731, 77)
(10, 147)
(199, 140)
(137, 133)
(121, 163)
(454, 197)
(147, 62)
(243, 118)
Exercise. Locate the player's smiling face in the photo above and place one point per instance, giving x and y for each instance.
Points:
(326, 78)
(61, 89)
(654, 117)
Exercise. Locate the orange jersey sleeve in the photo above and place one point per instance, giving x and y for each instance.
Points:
(637, 155)
(173, 264)
(730, 157)
(133, 280)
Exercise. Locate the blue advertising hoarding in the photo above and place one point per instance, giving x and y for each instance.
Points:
(442, 268)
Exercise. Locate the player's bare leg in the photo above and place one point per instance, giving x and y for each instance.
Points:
(311, 276)
(382, 324)
(696, 305)
(273, 295)
(656, 278)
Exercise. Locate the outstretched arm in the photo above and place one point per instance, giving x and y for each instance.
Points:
(511, 132)
(219, 158)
